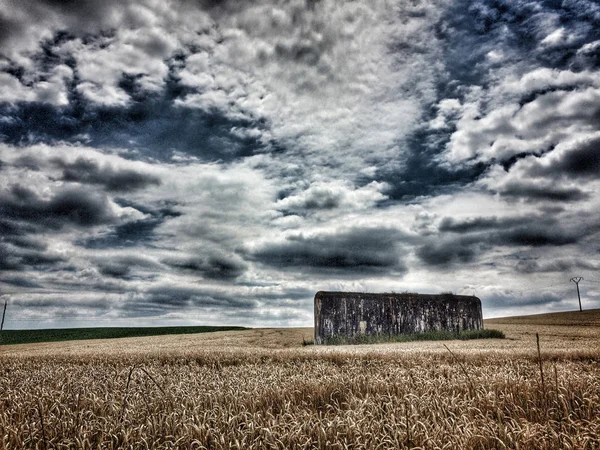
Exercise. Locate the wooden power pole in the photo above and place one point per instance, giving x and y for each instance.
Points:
(576, 280)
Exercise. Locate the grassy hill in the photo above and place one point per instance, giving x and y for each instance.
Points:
(589, 317)
(71, 334)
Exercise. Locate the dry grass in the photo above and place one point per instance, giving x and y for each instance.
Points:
(261, 389)
(577, 318)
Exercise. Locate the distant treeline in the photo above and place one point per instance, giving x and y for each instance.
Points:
(8, 337)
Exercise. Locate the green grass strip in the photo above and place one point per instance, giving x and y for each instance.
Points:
(9, 337)
(428, 336)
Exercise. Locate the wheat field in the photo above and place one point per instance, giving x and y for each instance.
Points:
(262, 389)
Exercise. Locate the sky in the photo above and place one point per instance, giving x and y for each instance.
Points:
(219, 162)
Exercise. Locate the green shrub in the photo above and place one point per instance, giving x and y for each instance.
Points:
(426, 336)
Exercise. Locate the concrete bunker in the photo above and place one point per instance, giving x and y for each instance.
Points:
(348, 314)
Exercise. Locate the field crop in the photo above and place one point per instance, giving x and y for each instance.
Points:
(241, 390)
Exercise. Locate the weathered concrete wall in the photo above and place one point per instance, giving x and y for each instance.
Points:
(352, 313)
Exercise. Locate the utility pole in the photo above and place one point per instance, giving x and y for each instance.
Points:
(576, 280)
(3, 314)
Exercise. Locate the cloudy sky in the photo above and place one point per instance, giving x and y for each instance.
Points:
(218, 162)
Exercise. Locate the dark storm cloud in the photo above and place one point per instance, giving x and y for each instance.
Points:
(25, 242)
(89, 10)
(116, 270)
(582, 160)
(217, 267)
(534, 192)
(420, 174)
(473, 28)
(120, 266)
(8, 28)
(9, 228)
(134, 232)
(125, 235)
(15, 258)
(67, 206)
(165, 297)
(371, 250)
(448, 252)
(530, 230)
(244, 305)
(27, 162)
(559, 265)
(477, 223)
(19, 251)
(480, 234)
(154, 126)
(21, 282)
(87, 171)
(536, 236)
(509, 299)
(48, 308)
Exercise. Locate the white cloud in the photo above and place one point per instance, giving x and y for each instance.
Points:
(511, 129)
(139, 53)
(495, 56)
(52, 90)
(557, 37)
(331, 92)
(544, 78)
(334, 194)
(325, 87)
(448, 108)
